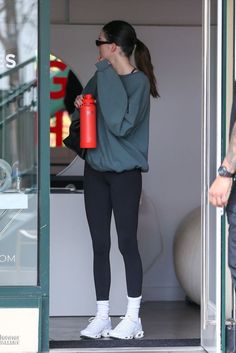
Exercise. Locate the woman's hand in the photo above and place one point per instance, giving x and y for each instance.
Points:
(219, 191)
(78, 101)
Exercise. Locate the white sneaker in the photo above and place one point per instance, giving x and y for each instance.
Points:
(97, 328)
(127, 329)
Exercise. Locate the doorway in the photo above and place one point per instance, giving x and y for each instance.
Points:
(175, 163)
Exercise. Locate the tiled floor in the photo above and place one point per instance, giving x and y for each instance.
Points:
(161, 320)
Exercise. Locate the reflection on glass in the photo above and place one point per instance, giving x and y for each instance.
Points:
(18, 142)
(65, 86)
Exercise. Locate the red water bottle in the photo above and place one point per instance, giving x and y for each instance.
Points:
(88, 136)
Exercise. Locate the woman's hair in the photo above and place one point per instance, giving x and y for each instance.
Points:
(124, 35)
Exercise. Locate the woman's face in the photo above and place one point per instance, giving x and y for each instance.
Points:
(104, 49)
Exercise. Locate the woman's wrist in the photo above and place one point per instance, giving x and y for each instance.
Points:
(228, 166)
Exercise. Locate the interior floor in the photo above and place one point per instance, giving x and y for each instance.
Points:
(160, 320)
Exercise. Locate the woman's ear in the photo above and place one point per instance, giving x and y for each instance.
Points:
(113, 47)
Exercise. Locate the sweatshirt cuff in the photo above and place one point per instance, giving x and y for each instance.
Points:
(102, 65)
(75, 115)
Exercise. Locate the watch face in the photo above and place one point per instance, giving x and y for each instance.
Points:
(224, 172)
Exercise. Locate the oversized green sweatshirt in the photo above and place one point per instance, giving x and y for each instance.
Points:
(123, 109)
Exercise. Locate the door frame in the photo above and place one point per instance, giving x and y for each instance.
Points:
(213, 316)
(38, 296)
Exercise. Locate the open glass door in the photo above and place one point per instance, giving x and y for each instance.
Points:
(211, 331)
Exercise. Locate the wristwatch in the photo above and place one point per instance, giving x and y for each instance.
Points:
(222, 171)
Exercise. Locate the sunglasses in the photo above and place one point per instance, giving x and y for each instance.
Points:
(101, 42)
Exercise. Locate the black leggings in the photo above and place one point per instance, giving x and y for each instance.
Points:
(120, 192)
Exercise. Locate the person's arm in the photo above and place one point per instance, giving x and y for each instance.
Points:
(121, 113)
(230, 158)
(90, 88)
(220, 189)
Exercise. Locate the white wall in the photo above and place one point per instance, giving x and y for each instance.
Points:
(172, 187)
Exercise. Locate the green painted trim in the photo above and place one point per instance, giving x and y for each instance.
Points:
(38, 296)
(20, 302)
(21, 290)
(44, 148)
(223, 152)
(44, 164)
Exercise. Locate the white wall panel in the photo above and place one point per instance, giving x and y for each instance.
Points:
(59, 10)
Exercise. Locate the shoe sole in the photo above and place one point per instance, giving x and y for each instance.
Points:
(104, 334)
(138, 335)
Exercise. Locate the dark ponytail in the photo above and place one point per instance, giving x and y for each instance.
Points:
(143, 62)
(124, 35)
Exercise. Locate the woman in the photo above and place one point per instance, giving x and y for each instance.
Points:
(112, 177)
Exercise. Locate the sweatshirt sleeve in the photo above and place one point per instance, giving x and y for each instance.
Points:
(91, 86)
(121, 113)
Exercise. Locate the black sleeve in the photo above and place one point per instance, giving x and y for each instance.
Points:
(73, 89)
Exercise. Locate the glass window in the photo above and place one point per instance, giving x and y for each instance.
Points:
(18, 142)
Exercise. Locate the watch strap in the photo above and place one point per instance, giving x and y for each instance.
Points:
(222, 171)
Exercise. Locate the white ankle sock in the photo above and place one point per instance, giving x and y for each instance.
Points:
(103, 309)
(133, 307)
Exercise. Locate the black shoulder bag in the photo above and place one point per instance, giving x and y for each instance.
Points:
(72, 141)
